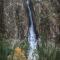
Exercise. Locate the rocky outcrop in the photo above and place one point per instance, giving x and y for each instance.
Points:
(15, 19)
(1, 17)
(46, 14)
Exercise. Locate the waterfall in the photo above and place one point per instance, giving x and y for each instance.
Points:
(32, 52)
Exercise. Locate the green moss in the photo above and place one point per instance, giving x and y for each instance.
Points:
(58, 55)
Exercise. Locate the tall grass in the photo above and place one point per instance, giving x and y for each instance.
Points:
(47, 53)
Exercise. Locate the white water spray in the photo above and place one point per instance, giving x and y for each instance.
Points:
(32, 53)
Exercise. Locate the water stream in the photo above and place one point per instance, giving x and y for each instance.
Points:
(32, 52)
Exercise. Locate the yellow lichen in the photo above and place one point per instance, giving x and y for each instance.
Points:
(19, 54)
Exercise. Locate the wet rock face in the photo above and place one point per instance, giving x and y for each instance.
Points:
(15, 19)
(1, 17)
(45, 16)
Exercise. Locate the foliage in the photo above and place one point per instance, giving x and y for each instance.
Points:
(58, 55)
(25, 46)
(47, 52)
(18, 53)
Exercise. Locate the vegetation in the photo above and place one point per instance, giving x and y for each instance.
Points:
(45, 52)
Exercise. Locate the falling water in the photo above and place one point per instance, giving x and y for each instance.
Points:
(32, 53)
